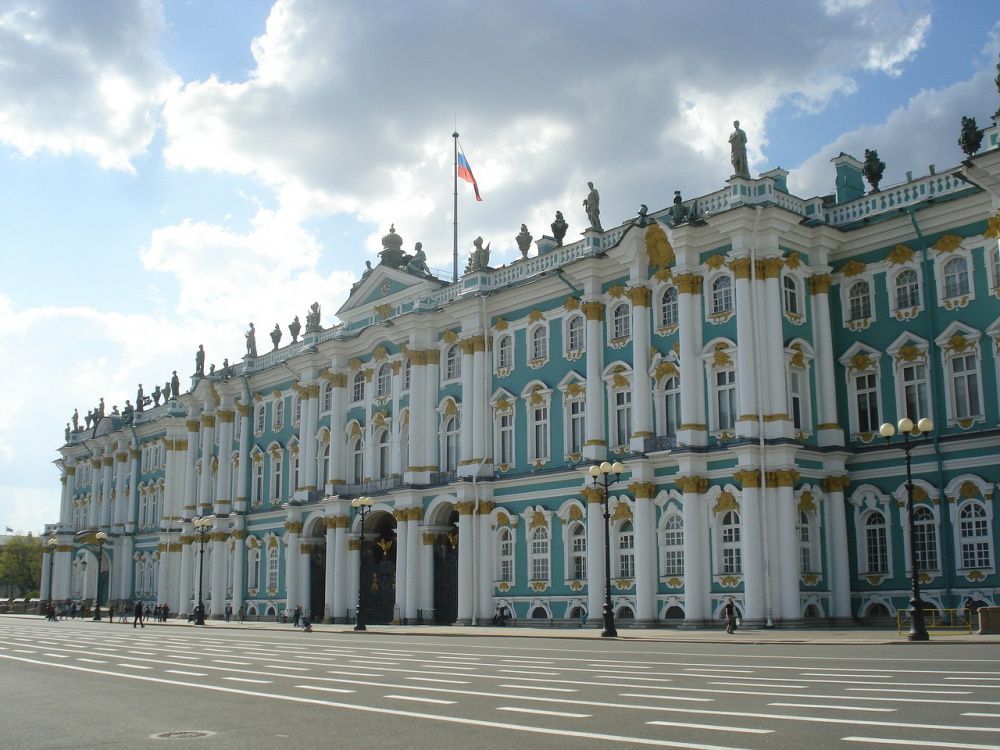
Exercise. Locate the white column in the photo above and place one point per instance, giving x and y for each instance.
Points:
(353, 573)
(484, 551)
(642, 389)
(223, 485)
(596, 444)
(66, 499)
(595, 553)
(696, 543)
(480, 397)
(692, 429)
(190, 475)
(402, 516)
(329, 581)
(341, 595)
(305, 578)
(61, 570)
(307, 437)
(787, 552)
(93, 517)
(430, 427)
(468, 401)
(163, 572)
(292, 565)
(45, 591)
(465, 532)
(775, 352)
(106, 476)
(220, 552)
(746, 382)
(239, 567)
(413, 549)
(837, 558)
(751, 549)
(121, 479)
(338, 446)
(830, 432)
(645, 558)
(128, 569)
(427, 572)
(418, 412)
(184, 587)
(207, 445)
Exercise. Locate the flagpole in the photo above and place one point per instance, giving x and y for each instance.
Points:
(454, 254)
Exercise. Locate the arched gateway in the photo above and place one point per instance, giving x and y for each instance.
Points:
(378, 569)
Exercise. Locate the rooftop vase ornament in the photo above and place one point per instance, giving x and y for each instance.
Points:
(156, 395)
(642, 220)
(971, 136)
(559, 227)
(677, 211)
(293, 328)
(276, 335)
(523, 240)
(873, 169)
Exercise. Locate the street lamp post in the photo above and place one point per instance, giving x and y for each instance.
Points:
(201, 526)
(52, 544)
(604, 471)
(363, 505)
(101, 538)
(918, 630)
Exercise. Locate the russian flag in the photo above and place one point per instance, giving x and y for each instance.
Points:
(465, 172)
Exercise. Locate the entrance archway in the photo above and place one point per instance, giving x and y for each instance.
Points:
(315, 537)
(446, 573)
(378, 569)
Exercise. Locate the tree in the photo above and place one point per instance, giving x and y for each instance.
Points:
(971, 136)
(21, 564)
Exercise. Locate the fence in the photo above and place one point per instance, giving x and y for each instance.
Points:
(938, 621)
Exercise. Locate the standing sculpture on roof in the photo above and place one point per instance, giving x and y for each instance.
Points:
(199, 360)
(592, 203)
(76, 420)
(251, 336)
(312, 319)
(738, 147)
(175, 384)
(479, 258)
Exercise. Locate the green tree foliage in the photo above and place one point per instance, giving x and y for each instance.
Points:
(21, 564)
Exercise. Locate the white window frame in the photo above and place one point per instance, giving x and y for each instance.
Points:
(668, 310)
(274, 482)
(277, 414)
(808, 534)
(916, 288)
(452, 368)
(538, 344)
(500, 430)
(983, 540)
(721, 295)
(296, 411)
(505, 547)
(860, 306)
(259, 420)
(620, 322)
(574, 349)
(850, 376)
(504, 363)
(273, 568)
(575, 545)
(383, 381)
(382, 454)
(539, 555)
(537, 400)
(670, 545)
(624, 546)
(950, 298)
(358, 388)
(667, 393)
(326, 404)
(971, 354)
(791, 298)
(729, 544)
(257, 480)
(450, 437)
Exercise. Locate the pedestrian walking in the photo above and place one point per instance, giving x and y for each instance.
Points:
(241, 615)
(111, 613)
(729, 615)
(228, 611)
(138, 615)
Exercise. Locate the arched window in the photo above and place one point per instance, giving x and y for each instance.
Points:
(505, 352)
(453, 363)
(357, 461)
(296, 410)
(672, 560)
(574, 334)
(325, 474)
(253, 568)
(257, 488)
(859, 301)
(722, 295)
(626, 550)
(668, 306)
(956, 278)
(622, 401)
(621, 322)
(907, 290)
(732, 558)
(578, 551)
(974, 536)
(449, 457)
(539, 554)
(538, 444)
(278, 421)
(539, 342)
(925, 538)
(384, 380)
(725, 398)
(790, 295)
(382, 442)
(276, 490)
(327, 396)
(671, 405)
(876, 546)
(258, 422)
(505, 555)
(407, 371)
(272, 567)
(358, 387)
(806, 561)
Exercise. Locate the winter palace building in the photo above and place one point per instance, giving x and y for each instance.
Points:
(738, 352)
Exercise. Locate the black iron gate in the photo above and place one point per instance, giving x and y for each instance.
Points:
(446, 578)
(317, 582)
(378, 578)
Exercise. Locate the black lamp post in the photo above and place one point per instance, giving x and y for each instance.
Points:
(52, 543)
(604, 471)
(101, 538)
(201, 526)
(363, 505)
(918, 630)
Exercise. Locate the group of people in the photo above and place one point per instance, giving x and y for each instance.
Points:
(300, 619)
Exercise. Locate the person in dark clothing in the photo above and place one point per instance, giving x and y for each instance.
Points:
(138, 616)
(729, 614)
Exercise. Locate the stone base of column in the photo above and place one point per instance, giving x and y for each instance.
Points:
(696, 624)
(464, 621)
(798, 622)
(643, 624)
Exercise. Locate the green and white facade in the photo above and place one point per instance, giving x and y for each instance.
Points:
(740, 364)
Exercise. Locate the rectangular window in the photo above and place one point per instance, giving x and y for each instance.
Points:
(506, 430)
(915, 391)
(795, 390)
(965, 386)
(623, 417)
(867, 401)
(576, 426)
(725, 385)
(540, 434)
(877, 555)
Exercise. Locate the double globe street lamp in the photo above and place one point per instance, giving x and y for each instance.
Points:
(201, 525)
(363, 506)
(101, 538)
(918, 630)
(602, 478)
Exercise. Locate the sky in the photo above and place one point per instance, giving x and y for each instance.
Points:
(172, 170)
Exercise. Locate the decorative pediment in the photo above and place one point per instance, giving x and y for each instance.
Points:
(382, 286)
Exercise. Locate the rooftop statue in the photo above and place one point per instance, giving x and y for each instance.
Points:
(156, 396)
(128, 413)
(140, 399)
(199, 360)
(642, 220)
(167, 390)
(175, 384)
(678, 212)
(592, 204)
(89, 418)
(418, 263)
(276, 335)
(523, 240)
(312, 319)
(293, 328)
(392, 254)
(100, 408)
(738, 146)
(559, 227)
(479, 258)
(67, 432)
(76, 420)
(251, 336)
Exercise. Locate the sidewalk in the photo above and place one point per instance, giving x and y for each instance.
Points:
(803, 636)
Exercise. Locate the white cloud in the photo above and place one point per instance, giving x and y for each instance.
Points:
(81, 77)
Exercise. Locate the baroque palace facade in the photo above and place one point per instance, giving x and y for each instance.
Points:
(737, 352)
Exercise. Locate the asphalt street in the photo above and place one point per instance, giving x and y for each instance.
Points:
(84, 684)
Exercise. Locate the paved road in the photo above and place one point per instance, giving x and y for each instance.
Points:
(83, 684)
